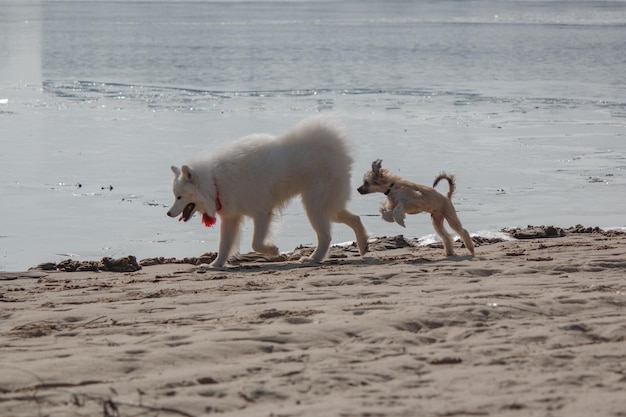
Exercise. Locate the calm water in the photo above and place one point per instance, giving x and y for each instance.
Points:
(524, 100)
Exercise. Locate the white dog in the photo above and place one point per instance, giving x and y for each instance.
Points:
(257, 175)
(405, 197)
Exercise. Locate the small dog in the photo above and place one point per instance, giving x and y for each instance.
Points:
(258, 174)
(405, 197)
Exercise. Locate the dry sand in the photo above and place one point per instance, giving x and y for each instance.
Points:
(533, 327)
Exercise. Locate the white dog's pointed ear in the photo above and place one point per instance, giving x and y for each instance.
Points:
(376, 166)
(187, 173)
(175, 170)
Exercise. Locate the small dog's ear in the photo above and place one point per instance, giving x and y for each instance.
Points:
(175, 170)
(376, 167)
(187, 173)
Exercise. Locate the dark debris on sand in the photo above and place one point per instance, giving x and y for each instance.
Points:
(130, 263)
(125, 264)
(388, 243)
(542, 232)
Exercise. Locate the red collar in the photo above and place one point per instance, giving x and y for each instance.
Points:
(208, 220)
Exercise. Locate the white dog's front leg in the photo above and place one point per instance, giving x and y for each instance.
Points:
(229, 232)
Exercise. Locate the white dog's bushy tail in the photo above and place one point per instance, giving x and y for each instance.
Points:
(451, 182)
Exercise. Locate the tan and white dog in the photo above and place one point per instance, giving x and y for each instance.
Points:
(405, 197)
(257, 175)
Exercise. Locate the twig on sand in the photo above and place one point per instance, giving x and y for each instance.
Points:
(110, 407)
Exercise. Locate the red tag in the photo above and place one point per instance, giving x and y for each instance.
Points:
(208, 220)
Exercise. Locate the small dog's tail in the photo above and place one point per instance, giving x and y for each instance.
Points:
(450, 178)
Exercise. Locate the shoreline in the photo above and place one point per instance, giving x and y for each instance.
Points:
(131, 264)
(527, 327)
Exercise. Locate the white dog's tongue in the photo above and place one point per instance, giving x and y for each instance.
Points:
(208, 220)
(187, 212)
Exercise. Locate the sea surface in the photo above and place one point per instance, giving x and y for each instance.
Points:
(525, 101)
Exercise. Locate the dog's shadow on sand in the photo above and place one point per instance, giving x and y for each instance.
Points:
(356, 261)
(458, 258)
(281, 266)
(407, 259)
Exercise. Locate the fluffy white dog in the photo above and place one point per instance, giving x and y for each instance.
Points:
(257, 175)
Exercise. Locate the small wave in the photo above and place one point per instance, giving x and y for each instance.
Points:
(484, 234)
(196, 99)
(83, 90)
(492, 234)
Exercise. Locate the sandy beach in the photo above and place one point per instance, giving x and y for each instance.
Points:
(523, 100)
(529, 327)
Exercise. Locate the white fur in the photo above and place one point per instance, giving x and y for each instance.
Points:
(257, 175)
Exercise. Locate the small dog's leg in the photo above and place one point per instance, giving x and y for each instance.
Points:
(386, 212)
(387, 215)
(446, 239)
(455, 224)
(354, 222)
(262, 224)
(229, 234)
(399, 214)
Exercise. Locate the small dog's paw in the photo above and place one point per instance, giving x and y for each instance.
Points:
(364, 248)
(399, 217)
(387, 216)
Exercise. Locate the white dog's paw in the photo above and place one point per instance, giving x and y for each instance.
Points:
(270, 250)
(216, 264)
(204, 268)
(309, 260)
